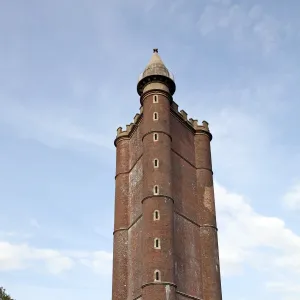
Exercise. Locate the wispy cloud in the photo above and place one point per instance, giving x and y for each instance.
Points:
(291, 199)
(23, 256)
(285, 287)
(34, 223)
(245, 25)
(236, 218)
(242, 117)
(53, 128)
(69, 80)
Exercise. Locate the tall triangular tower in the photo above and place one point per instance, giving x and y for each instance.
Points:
(165, 233)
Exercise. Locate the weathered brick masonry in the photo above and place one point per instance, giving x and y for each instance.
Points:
(165, 234)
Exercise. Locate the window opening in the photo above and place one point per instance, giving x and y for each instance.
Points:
(157, 275)
(156, 215)
(156, 190)
(157, 243)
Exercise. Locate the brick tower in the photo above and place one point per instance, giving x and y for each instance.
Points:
(165, 234)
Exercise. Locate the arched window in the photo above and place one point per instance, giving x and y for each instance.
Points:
(155, 137)
(155, 99)
(156, 163)
(155, 116)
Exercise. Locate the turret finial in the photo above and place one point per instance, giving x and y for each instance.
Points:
(155, 50)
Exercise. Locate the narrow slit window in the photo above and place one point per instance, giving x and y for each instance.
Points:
(156, 163)
(156, 215)
(156, 275)
(155, 137)
(156, 190)
(155, 99)
(155, 116)
(157, 243)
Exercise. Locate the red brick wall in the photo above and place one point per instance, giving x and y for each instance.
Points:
(120, 258)
(207, 218)
(128, 211)
(157, 259)
(188, 259)
(187, 234)
(134, 214)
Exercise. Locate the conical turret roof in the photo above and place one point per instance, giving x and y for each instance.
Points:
(156, 70)
(156, 66)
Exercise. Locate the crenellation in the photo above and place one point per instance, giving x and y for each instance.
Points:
(129, 127)
(195, 124)
(119, 130)
(135, 119)
(203, 127)
(175, 107)
(189, 121)
(184, 115)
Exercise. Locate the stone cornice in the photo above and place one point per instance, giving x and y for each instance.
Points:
(156, 78)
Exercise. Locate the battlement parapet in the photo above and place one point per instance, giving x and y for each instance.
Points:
(181, 114)
(203, 127)
(184, 115)
(129, 127)
(174, 106)
(189, 121)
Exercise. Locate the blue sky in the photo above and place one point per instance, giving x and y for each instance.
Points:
(68, 74)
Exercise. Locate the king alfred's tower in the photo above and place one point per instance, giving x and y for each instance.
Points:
(165, 233)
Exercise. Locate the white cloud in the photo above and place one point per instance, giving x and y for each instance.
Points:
(23, 256)
(99, 262)
(291, 199)
(249, 238)
(10, 234)
(246, 238)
